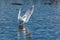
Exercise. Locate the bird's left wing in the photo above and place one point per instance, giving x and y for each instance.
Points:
(28, 14)
(19, 16)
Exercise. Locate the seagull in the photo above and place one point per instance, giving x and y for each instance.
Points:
(24, 19)
(27, 15)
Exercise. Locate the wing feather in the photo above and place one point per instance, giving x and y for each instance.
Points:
(28, 14)
(19, 16)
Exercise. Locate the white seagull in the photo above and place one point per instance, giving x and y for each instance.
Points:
(27, 15)
(25, 19)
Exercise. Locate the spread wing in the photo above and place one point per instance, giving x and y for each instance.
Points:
(28, 14)
(19, 16)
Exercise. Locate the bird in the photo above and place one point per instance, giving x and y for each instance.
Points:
(26, 16)
(24, 19)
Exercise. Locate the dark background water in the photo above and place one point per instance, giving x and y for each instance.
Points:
(44, 23)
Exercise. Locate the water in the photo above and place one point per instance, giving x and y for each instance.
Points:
(44, 23)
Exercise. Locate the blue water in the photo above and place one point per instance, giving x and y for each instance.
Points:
(44, 23)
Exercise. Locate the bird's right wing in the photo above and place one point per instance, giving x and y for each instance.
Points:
(28, 14)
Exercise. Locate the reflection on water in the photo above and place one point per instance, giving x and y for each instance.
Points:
(43, 25)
